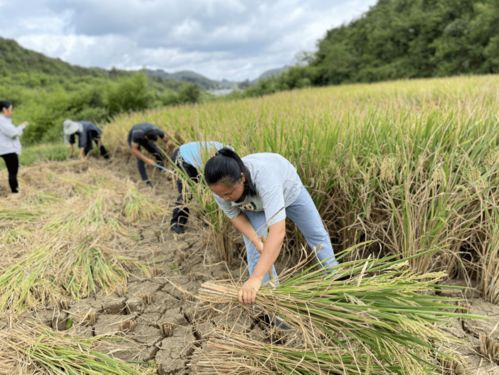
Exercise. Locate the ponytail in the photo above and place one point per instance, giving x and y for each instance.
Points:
(226, 167)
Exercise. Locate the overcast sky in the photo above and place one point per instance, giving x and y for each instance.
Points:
(232, 39)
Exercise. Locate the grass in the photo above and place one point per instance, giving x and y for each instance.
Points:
(59, 270)
(138, 207)
(233, 353)
(406, 164)
(66, 246)
(32, 348)
(383, 310)
(42, 153)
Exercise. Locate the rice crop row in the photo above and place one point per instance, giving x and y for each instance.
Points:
(410, 165)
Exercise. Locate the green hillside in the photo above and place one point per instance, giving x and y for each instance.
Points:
(400, 39)
(45, 91)
(14, 60)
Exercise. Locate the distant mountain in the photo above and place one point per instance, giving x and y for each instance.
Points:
(16, 59)
(272, 73)
(192, 77)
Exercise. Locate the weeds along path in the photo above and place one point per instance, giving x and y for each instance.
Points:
(86, 252)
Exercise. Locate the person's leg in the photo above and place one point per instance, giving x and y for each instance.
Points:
(142, 170)
(88, 145)
(179, 202)
(180, 215)
(102, 150)
(306, 217)
(258, 222)
(185, 194)
(12, 163)
(141, 166)
(181, 211)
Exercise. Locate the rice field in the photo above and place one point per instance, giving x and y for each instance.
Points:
(411, 166)
(405, 175)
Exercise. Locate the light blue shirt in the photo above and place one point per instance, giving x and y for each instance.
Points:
(196, 153)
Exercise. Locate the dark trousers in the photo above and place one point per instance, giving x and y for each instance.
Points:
(95, 137)
(180, 214)
(12, 163)
(156, 152)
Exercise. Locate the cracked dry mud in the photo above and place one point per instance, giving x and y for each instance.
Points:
(163, 324)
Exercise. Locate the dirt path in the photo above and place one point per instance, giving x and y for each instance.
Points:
(164, 325)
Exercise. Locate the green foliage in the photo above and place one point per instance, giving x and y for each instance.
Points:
(131, 94)
(47, 91)
(189, 93)
(42, 152)
(412, 165)
(402, 39)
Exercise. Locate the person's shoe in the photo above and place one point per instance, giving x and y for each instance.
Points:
(272, 321)
(148, 183)
(176, 228)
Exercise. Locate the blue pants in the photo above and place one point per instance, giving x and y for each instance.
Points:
(304, 214)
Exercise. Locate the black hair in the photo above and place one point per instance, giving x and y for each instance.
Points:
(4, 104)
(154, 133)
(226, 167)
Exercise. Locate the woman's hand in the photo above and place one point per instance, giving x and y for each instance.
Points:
(259, 246)
(247, 294)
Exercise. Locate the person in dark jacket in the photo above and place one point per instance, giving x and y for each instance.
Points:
(144, 136)
(88, 133)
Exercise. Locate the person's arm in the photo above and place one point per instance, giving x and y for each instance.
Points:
(10, 130)
(271, 249)
(242, 224)
(137, 153)
(82, 154)
(271, 192)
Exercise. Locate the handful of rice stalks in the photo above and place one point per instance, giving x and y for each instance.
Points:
(382, 310)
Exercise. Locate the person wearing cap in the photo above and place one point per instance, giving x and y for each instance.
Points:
(88, 133)
(145, 135)
(10, 145)
(189, 160)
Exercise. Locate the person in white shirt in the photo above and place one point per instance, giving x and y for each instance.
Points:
(10, 145)
(258, 192)
(88, 133)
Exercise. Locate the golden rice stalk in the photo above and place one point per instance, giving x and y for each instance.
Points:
(383, 308)
(234, 353)
(35, 349)
(137, 206)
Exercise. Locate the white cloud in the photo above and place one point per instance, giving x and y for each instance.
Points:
(233, 39)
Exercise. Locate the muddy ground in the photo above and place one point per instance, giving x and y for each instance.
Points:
(159, 316)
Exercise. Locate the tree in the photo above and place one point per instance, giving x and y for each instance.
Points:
(189, 93)
(129, 94)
